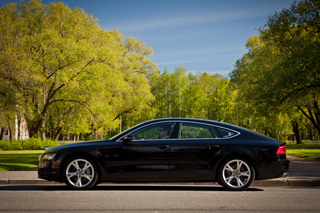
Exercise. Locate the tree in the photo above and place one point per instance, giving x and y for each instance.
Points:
(295, 35)
(254, 75)
(194, 96)
(59, 61)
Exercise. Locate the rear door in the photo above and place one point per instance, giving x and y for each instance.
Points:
(193, 152)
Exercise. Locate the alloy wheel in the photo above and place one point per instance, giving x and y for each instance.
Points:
(80, 173)
(237, 174)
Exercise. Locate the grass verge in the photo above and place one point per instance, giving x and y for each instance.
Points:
(19, 160)
(310, 151)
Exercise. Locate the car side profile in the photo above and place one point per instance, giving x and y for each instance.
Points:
(169, 150)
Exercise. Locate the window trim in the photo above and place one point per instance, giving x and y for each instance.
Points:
(182, 121)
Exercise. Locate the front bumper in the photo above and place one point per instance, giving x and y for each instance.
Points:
(49, 169)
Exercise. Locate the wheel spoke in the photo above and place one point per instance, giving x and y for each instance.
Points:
(76, 165)
(79, 183)
(246, 173)
(86, 166)
(229, 168)
(71, 174)
(87, 176)
(239, 182)
(239, 164)
(228, 179)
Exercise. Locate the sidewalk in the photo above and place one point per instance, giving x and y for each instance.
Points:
(302, 173)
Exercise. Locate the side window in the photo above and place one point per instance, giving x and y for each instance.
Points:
(226, 133)
(155, 131)
(193, 130)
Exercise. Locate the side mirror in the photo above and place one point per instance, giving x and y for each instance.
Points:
(127, 139)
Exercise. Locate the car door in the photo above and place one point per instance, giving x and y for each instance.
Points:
(146, 156)
(193, 151)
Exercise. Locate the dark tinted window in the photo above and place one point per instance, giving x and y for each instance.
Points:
(224, 133)
(193, 130)
(155, 131)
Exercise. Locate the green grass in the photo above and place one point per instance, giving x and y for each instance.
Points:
(310, 151)
(19, 160)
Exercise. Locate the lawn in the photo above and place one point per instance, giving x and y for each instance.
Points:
(310, 151)
(19, 160)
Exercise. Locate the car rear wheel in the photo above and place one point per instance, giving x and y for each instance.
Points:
(236, 174)
(80, 172)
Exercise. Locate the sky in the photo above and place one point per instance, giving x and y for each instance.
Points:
(200, 35)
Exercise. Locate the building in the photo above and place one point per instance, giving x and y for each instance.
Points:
(16, 131)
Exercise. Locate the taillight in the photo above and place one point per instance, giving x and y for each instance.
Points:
(282, 150)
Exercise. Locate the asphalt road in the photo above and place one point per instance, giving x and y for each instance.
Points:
(157, 198)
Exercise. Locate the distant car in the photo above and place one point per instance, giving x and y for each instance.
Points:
(169, 150)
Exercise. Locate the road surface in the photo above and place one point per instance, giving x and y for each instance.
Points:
(157, 198)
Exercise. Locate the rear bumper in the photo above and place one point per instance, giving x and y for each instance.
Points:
(278, 168)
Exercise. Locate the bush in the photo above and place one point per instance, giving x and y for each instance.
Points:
(30, 144)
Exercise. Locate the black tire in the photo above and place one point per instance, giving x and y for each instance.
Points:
(80, 172)
(236, 174)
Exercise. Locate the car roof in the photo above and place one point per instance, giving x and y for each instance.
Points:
(192, 120)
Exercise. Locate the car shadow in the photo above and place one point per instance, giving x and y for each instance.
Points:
(61, 187)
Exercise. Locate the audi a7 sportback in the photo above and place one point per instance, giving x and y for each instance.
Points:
(169, 150)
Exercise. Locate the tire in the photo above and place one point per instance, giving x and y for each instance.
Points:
(80, 172)
(236, 174)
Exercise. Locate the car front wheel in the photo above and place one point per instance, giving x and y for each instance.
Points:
(80, 173)
(236, 174)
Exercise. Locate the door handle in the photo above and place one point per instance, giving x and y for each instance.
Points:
(213, 146)
(163, 146)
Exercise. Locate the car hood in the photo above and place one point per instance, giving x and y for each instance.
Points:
(81, 144)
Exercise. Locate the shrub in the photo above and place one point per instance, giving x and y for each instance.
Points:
(30, 144)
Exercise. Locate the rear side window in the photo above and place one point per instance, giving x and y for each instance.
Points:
(193, 130)
(225, 133)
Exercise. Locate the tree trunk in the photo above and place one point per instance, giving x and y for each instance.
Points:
(313, 114)
(43, 125)
(19, 129)
(295, 129)
(56, 133)
(1, 133)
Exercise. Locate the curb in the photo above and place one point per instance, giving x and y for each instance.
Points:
(38, 182)
(271, 182)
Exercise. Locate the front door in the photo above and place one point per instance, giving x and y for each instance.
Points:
(146, 156)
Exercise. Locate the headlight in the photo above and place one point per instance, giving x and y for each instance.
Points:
(49, 156)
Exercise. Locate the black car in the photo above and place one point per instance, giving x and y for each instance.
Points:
(169, 150)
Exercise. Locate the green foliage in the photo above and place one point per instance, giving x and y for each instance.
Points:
(201, 96)
(63, 73)
(31, 144)
(280, 71)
